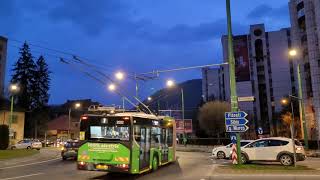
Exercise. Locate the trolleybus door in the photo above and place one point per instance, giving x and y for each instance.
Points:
(145, 147)
(164, 145)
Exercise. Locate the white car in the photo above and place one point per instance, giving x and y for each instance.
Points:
(223, 152)
(273, 149)
(36, 144)
(23, 144)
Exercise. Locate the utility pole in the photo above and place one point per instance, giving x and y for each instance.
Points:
(182, 110)
(233, 88)
(301, 108)
(292, 134)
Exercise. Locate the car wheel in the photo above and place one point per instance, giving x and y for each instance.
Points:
(286, 160)
(64, 158)
(28, 147)
(13, 147)
(155, 163)
(221, 155)
(244, 159)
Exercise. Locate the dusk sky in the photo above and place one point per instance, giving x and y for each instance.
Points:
(128, 35)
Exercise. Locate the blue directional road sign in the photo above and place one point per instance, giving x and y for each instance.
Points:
(236, 121)
(235, 115)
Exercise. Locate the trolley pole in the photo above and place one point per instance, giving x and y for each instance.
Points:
(233, 88)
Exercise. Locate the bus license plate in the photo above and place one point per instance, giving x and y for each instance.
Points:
(101, 167)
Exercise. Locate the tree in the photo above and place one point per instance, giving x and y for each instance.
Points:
(211, 117)
(4, 136)
(40, 95)
(42, 82)
(287, 119)
(23, 75)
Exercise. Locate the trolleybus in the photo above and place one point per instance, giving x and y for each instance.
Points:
(129, 142)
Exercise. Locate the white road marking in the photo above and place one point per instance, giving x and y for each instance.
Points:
(18, 177)
(29, 164)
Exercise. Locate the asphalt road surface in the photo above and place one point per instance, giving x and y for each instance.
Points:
(190, 165)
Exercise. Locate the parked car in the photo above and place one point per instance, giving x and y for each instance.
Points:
(273, 149)
(47, 143)
(70, 150)
(223, 152)
(36, 144)
(23, 144)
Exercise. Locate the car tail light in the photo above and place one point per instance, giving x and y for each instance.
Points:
(82, 163)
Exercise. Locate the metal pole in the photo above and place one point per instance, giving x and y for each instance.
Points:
(182, 108)
(301, 109)
(123, 103)
(69, 123)
(292, 135)
(10, 119)
(137, 89)
(11, 113)
(233, 89)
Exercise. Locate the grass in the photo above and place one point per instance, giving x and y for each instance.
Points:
(16, 153)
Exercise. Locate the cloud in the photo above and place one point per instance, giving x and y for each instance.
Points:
(93, 18)
(264, 11)
(183, 33)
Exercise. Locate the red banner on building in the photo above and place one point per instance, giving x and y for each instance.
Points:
(240, 44)
(185, 127)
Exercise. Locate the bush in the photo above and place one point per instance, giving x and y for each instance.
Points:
(4, 136)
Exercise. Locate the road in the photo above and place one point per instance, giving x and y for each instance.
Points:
(190, 165)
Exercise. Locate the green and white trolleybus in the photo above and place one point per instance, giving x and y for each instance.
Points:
(129, 142)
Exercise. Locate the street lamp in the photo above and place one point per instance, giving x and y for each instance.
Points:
(14, 89)
(119, 75)
(76, 106)
(284, 101)
(170, 83)
(293, 53)
(149, 98)
(112, 87)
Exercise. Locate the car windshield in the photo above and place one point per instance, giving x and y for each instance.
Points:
(71, 144)
(109, 132)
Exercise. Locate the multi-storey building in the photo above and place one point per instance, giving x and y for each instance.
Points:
(305, 22)
(264, 71)
(3, 60)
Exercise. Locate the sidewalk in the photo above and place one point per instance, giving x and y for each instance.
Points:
(45, 154)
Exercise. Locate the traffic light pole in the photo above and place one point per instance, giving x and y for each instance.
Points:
(233, 88)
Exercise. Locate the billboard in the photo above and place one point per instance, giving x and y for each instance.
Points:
(183, 128)
(241, 54)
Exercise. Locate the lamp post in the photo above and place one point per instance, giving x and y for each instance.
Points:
(285, 102)
(76, 106)
(171, 83)
(13, 88)
(293, 53)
